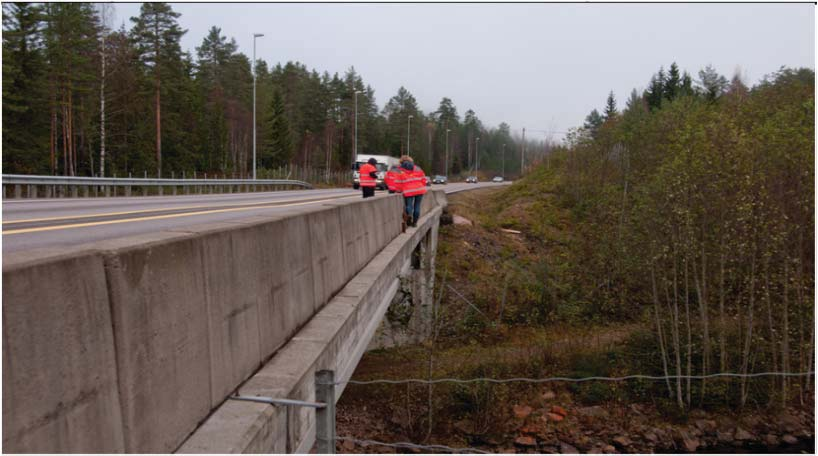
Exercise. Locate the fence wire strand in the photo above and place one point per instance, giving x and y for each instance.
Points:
(411, 445)
(574, 380)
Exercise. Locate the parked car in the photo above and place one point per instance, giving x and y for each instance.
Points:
(439, 179)
(497, 179)
(471, 180)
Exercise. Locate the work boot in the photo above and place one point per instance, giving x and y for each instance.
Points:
(414, 222)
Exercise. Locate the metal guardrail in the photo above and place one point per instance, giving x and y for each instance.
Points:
(60, 186)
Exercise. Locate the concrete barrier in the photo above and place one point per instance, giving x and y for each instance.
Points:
(161, 328)
(60, 390)
(128, 345)
(335, 338)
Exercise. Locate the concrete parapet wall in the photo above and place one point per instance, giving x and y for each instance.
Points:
(128, 345)
(335, 338)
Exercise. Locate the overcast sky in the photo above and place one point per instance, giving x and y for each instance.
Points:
(539, 66)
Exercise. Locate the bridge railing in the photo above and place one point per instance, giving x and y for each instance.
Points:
(28, 186)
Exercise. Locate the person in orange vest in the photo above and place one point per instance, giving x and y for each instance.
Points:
(393, 179)
(367, 174)
(413, 188)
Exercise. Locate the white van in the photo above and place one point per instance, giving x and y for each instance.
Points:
(384, 163)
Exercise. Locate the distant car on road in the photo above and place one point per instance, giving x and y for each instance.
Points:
(471, 180)
(497, 179)
(439, 179)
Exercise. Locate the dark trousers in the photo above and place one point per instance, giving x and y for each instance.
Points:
(413, 206)
(368, 191)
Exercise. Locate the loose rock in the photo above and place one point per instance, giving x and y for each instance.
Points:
(549, 395)
(789, 439)
(741, 434)
(566, 448)
(554, 417)
(522, 411)
(595, 411)
(622, 441)
(559, 410)
(526, 441)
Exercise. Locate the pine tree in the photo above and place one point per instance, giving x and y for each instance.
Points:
(25, 109)
(277, 144)
(712, 83)
(672, 83)
(593, 121)
(655, 92)
(157, 34)
(610, 107)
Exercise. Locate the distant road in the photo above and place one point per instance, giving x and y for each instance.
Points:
(30, 224)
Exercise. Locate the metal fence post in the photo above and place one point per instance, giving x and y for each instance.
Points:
(325, 417)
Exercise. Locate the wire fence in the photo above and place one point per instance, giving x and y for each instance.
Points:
(573, 379)
(435, 447)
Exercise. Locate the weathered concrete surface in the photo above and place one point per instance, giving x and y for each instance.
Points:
(59, 370)
(335, 338)
(160, 320)
(155, 330)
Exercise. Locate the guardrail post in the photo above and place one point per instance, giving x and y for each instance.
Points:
(174, 190)
(127, 190)
(85, 191)
(107, 191)
(18, 191)
(161, 190)
(32, 191)
(325, 416)
(73, 191)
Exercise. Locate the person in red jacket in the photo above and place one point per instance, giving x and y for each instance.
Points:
(367, 175)
(413, 188)
(394, 179)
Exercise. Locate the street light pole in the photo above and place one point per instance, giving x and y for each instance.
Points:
(255, 35)
(476, 154)
(522, 158)
(447, 155)
(356, 128)
(408, 131)
(504, 160)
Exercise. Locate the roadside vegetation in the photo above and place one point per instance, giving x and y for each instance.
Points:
(672, 239)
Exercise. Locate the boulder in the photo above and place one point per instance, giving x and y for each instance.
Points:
(609, 449)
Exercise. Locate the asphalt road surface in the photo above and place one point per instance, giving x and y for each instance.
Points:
(30, 224)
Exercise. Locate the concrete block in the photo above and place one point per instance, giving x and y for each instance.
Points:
(285, 282)
(327, 249)
(159, 307)
(234, 291)
(59, 368)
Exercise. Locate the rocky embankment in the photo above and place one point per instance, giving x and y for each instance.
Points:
(634, 428)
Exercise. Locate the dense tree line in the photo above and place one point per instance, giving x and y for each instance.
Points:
(80, 98)
(697, 208)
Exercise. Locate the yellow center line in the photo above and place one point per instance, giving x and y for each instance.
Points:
(141, 211)
(159, 217)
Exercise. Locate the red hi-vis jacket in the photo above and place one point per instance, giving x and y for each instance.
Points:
(364, 177)
(394, 179)
(414, 182)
